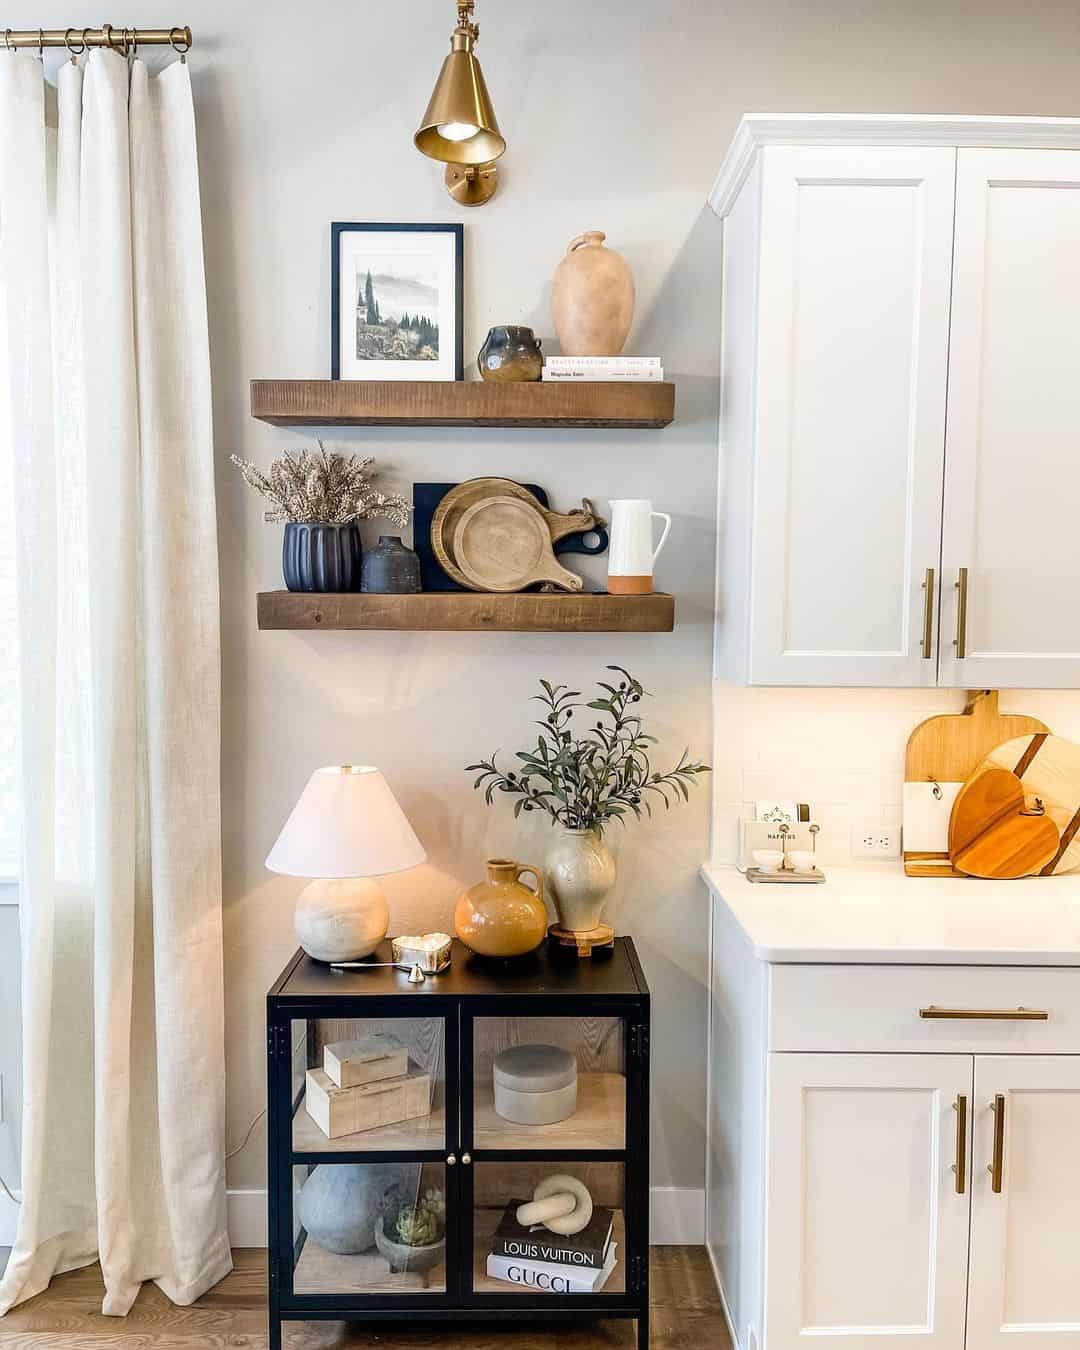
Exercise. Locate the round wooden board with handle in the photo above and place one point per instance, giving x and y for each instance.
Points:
(1048, 767)
(502, 544)
(457, 501)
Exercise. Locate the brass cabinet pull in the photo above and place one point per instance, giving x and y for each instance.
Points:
(928, 616)
(961, 588)
(960, 1106)
(934, 1013)
(997, 1167)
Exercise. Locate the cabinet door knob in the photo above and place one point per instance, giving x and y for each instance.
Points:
(450, 1160)
(466, 1159)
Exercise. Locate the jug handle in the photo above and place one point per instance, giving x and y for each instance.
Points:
(661, 515)
(521, 870)
(589, 237)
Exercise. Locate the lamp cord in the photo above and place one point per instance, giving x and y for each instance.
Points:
(231, 1154)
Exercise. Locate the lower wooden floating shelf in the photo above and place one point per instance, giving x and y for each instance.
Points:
(469, 611)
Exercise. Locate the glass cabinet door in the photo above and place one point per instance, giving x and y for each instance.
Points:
(372, 1202)
(549, 1083)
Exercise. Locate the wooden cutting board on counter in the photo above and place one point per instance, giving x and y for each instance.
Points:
(994, 831)
(947, 750)
(1048, 770)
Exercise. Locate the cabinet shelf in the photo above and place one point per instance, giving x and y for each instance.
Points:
(599, 1121)
(469, 611)
(435, 403)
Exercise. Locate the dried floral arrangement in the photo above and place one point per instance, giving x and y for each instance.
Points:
(585, 782)
(324, 488)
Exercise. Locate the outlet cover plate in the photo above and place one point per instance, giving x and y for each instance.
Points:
(873, 842)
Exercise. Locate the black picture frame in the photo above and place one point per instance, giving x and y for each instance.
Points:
(338, 228)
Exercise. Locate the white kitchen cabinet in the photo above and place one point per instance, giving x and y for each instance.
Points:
(862, 1046)
(868, 1235)
(1012, 457)
(1025, 1237)
(899, 402)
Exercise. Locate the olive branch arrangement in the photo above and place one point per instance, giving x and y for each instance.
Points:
(583, 783)
(323, 488)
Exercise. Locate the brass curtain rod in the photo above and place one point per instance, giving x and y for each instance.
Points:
(76, 40)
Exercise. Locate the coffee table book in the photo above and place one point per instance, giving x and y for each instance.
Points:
(586, 1249)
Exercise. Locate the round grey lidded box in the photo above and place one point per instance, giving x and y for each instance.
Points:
(535, 1084)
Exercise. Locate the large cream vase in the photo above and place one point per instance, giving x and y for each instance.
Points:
(592, 298)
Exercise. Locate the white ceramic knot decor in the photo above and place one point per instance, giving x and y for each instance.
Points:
(535, 1084)
(561, 1203)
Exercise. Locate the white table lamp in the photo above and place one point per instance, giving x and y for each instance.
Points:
(346, 828)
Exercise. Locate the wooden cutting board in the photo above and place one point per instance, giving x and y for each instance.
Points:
(994, 831)
(502, 544)
(948, 749)
(457, 501)
(1048, 768)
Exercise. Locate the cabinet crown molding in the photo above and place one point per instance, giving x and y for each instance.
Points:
(911, 129)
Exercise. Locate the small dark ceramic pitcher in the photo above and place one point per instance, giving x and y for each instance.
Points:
(321, 557)
(390, 568)
(510, 353)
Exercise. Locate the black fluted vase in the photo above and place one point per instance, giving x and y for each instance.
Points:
(321, 557)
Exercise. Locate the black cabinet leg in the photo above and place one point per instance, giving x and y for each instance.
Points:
(274, 1337)
(643, 1331)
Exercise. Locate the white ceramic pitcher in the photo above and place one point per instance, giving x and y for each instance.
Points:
(631, 554)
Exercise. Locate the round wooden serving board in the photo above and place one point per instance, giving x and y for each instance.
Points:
(502, 544)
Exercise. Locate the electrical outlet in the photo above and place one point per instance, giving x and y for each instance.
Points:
(873, 841)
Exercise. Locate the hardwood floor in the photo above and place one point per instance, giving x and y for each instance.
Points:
(685, 1312)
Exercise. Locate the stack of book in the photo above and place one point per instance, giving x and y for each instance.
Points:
(613, 368)
(364, 1084)
(549, 1263)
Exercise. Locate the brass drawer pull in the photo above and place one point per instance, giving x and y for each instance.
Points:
(997, 1167)
(961, 587)
(934, 1013)
(960, 1106)
(928, 616)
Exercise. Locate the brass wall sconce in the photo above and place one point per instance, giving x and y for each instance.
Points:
(459, 126)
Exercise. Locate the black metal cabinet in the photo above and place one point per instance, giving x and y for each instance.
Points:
(453, 1025)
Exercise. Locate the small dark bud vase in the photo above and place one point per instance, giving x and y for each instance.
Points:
(510, 353)
(390, 568)
(321, 557)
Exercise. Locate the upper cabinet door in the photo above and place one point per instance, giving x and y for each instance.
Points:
(856, 247)
(1024, 1292)
(1012, 477)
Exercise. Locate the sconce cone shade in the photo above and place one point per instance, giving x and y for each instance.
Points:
(347, 823)
(460, 99)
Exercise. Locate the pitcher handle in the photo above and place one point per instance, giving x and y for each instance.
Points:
(661, 515)
(522, 869)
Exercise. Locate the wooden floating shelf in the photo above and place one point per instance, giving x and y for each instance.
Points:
(435, 403)
(469, 611)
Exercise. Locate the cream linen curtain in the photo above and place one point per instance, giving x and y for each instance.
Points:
(123, 1103)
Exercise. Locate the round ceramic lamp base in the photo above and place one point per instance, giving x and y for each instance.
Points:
(341, 920)
(471, 184)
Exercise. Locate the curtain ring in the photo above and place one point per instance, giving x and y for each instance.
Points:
(75, 51)
(175, 42)
(7, 40)
(41, 46)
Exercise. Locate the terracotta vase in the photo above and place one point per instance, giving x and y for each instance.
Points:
(592, 298)
(500, 916)
(580, 871)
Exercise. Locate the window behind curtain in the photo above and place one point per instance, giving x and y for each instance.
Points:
(9, 667)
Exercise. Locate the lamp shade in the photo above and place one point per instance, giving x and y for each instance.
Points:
(459, 126)
(347, 823)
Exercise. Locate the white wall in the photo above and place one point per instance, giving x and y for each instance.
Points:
(617, 116)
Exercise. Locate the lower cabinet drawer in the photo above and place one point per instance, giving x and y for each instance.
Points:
(899, 1008)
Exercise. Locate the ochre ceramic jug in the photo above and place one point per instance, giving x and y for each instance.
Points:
(500, 916)
(592, 298)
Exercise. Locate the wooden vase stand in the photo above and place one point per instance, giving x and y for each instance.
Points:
(596, 942)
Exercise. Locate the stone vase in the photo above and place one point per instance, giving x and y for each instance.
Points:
(580, 872)
(592, 298)
(390, 568)
(340, 1204)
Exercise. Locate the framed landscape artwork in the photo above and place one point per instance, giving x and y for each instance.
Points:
(396, 302)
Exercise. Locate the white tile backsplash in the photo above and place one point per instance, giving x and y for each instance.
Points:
(842, 750)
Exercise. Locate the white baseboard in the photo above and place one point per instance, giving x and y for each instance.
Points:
(677, 1217)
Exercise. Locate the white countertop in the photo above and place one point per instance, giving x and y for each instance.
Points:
(873, 914)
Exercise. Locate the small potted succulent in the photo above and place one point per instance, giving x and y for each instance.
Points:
(320, 496)
(413, 1237)
(584, 779)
